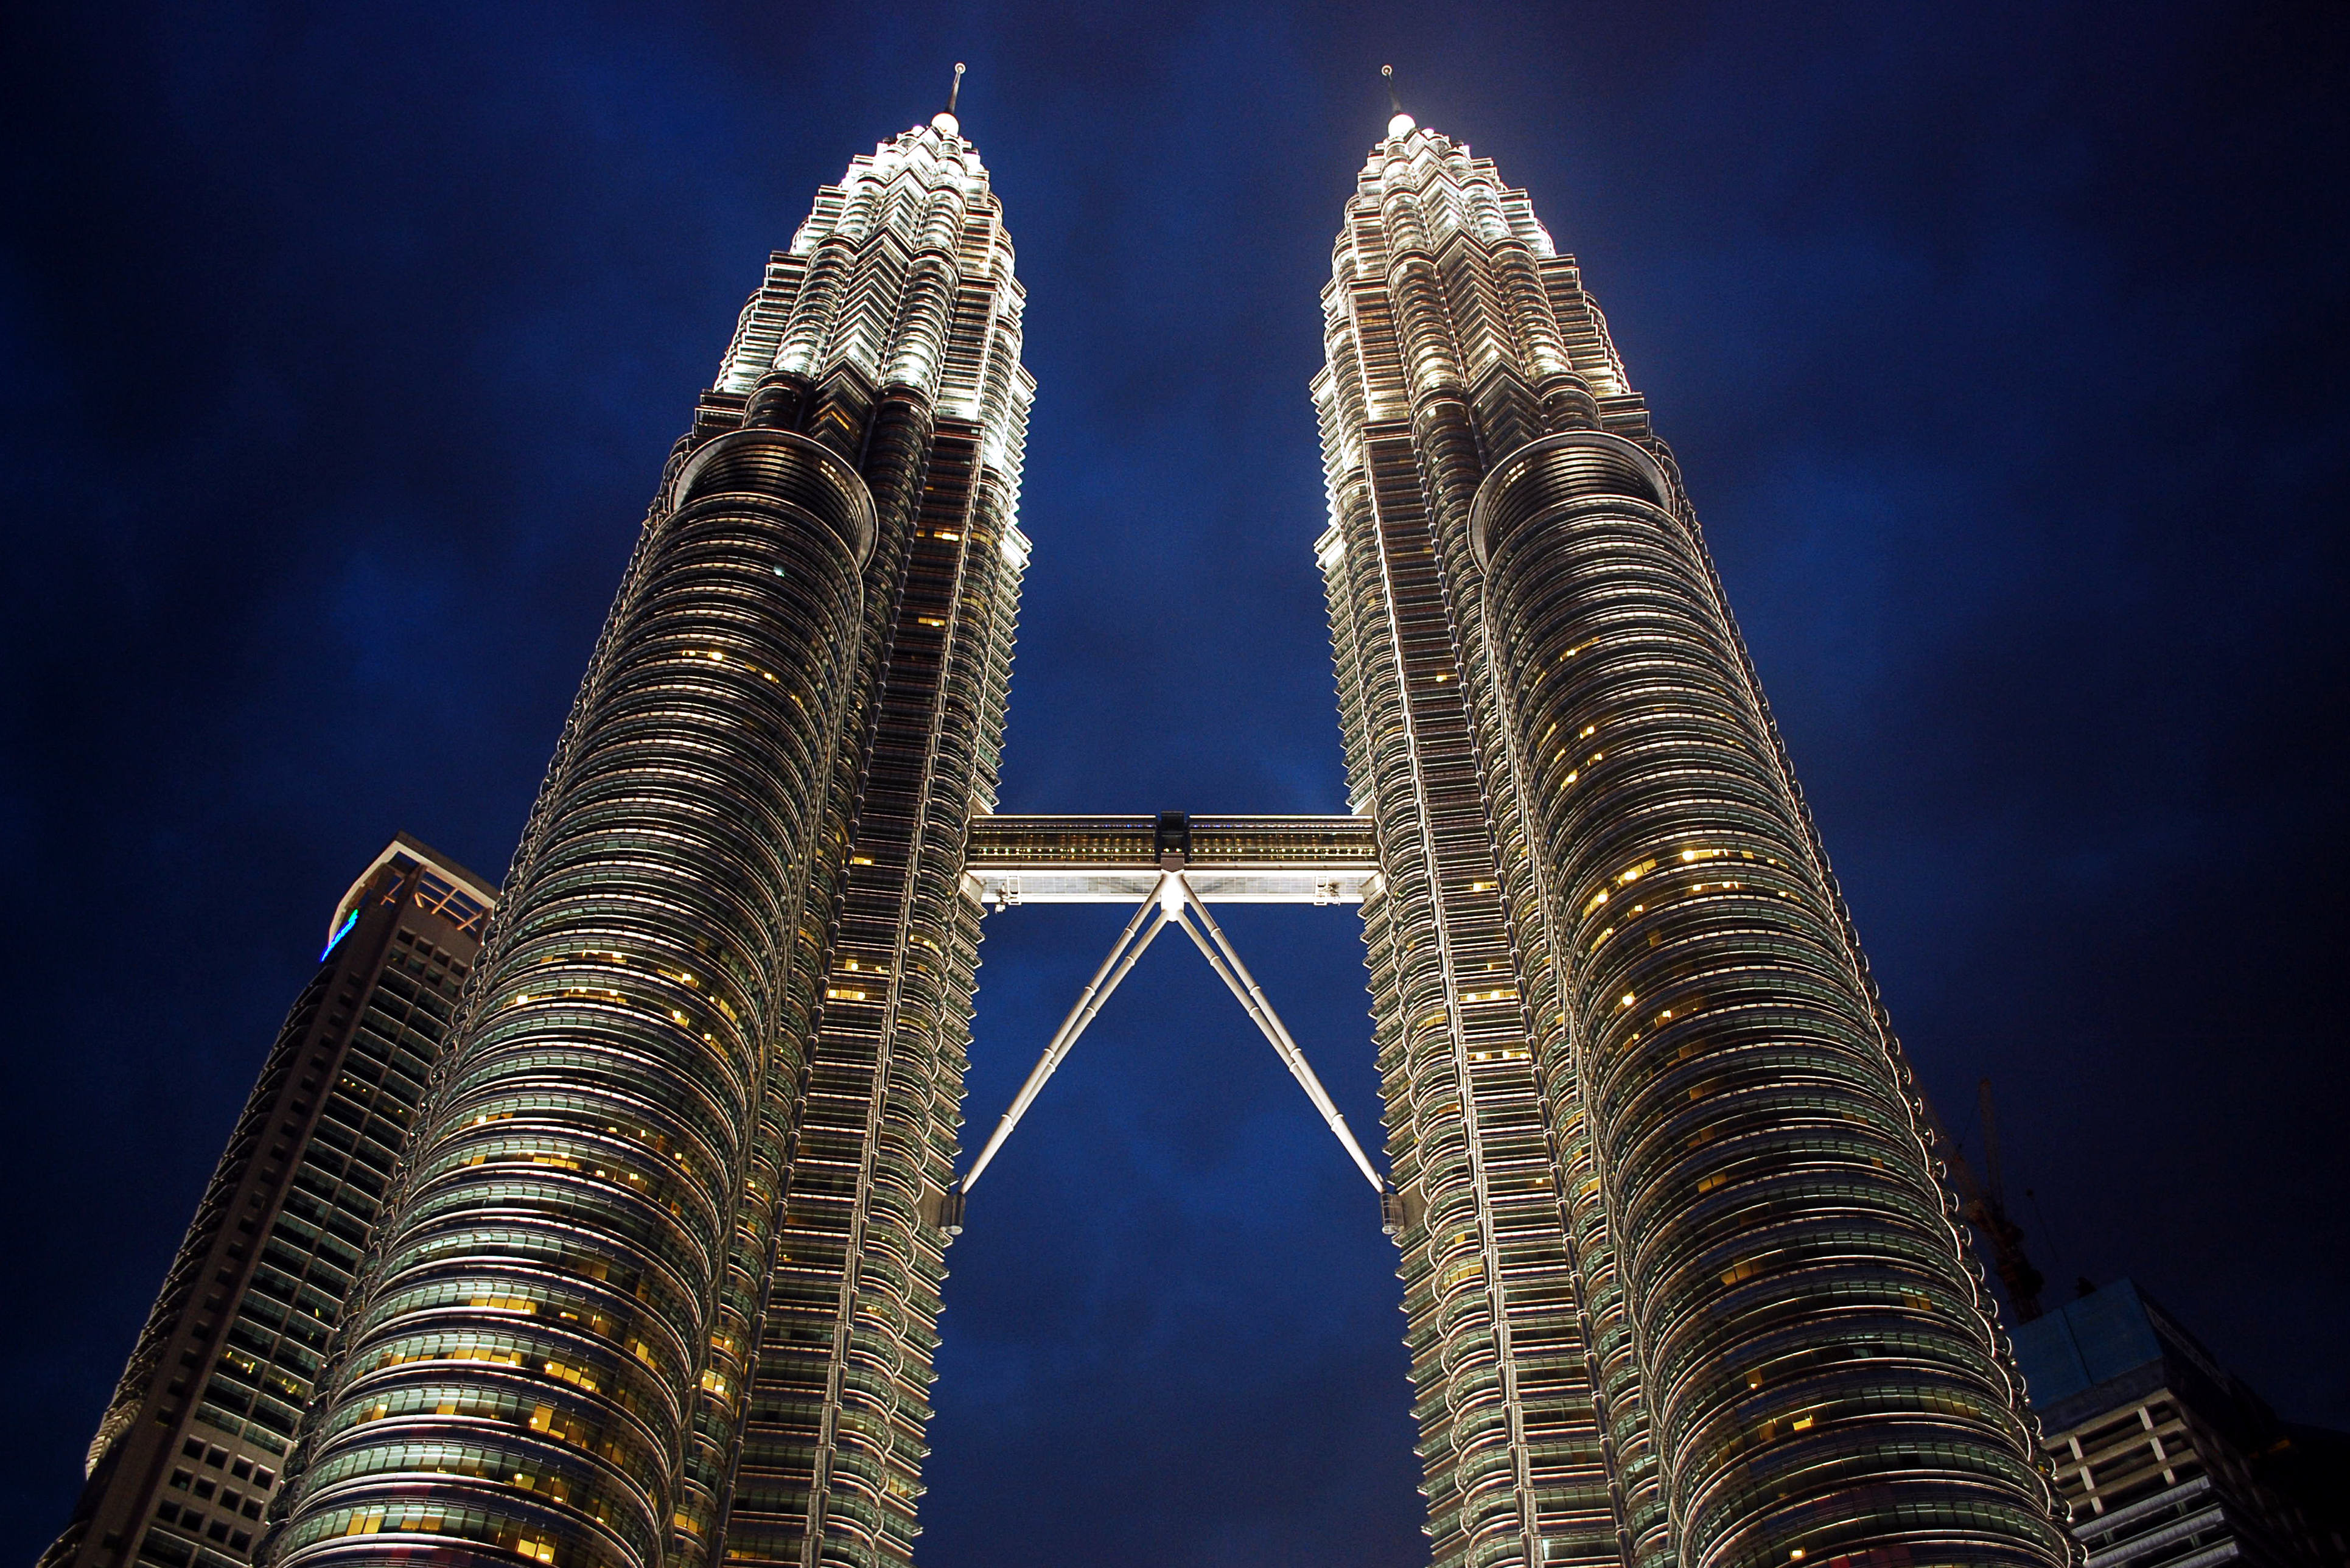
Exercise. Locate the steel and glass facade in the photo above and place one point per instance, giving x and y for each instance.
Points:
(189, 1455)
(658, 1280)
(654, 1278)
(1681, 1284)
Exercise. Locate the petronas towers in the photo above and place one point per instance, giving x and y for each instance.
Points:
(655, 1278)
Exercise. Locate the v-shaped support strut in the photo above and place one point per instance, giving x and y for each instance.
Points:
(1170, 900)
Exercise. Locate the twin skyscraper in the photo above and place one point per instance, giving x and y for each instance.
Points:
(644, 1267)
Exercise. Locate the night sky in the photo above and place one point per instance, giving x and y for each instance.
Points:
(2003, 346)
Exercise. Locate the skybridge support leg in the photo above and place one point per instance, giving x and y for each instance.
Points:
(1123, 955)
(1234, 974)
(1167, 902)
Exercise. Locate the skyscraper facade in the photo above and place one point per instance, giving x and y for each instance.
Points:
(654, 1279)
(657, 1280)
(192, 1447)
(1680, 1282)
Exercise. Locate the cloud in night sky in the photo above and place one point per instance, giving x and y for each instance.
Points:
(2002, 346)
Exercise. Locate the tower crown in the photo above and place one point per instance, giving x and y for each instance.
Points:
(901, 276)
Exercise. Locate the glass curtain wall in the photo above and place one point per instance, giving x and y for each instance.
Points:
(658, 1279)
(1683, 1286)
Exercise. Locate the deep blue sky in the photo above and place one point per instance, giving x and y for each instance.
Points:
(2003, 344)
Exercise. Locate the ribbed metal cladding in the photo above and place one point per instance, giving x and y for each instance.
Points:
(1450, 325)
(520, 1378)
(894, 323)
(1682, 1288)
(1821, 1377)
(659, 1282)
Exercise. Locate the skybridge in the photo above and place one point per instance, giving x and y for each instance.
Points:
(1170, 865)
(1118, 859)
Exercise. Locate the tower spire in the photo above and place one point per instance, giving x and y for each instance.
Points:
(1402, 124)
(945, 119)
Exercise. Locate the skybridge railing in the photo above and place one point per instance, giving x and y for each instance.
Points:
(1115, 859)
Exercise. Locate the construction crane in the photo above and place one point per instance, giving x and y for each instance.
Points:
(1983, 1202)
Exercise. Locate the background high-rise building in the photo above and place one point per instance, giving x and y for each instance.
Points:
(191, 1448)
(659, 1280)
(2167, 1460)
(1681, 1285)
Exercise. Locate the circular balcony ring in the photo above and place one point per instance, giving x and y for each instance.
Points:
(780, 465)
(1572, 466)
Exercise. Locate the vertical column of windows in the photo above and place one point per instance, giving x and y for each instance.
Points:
(878, 1132)
(522, 1371)
(1589, 1469)
(773, 1481)
(1810, 1337)
(854, 1207)
(1500, 1332)
(833, 1430)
